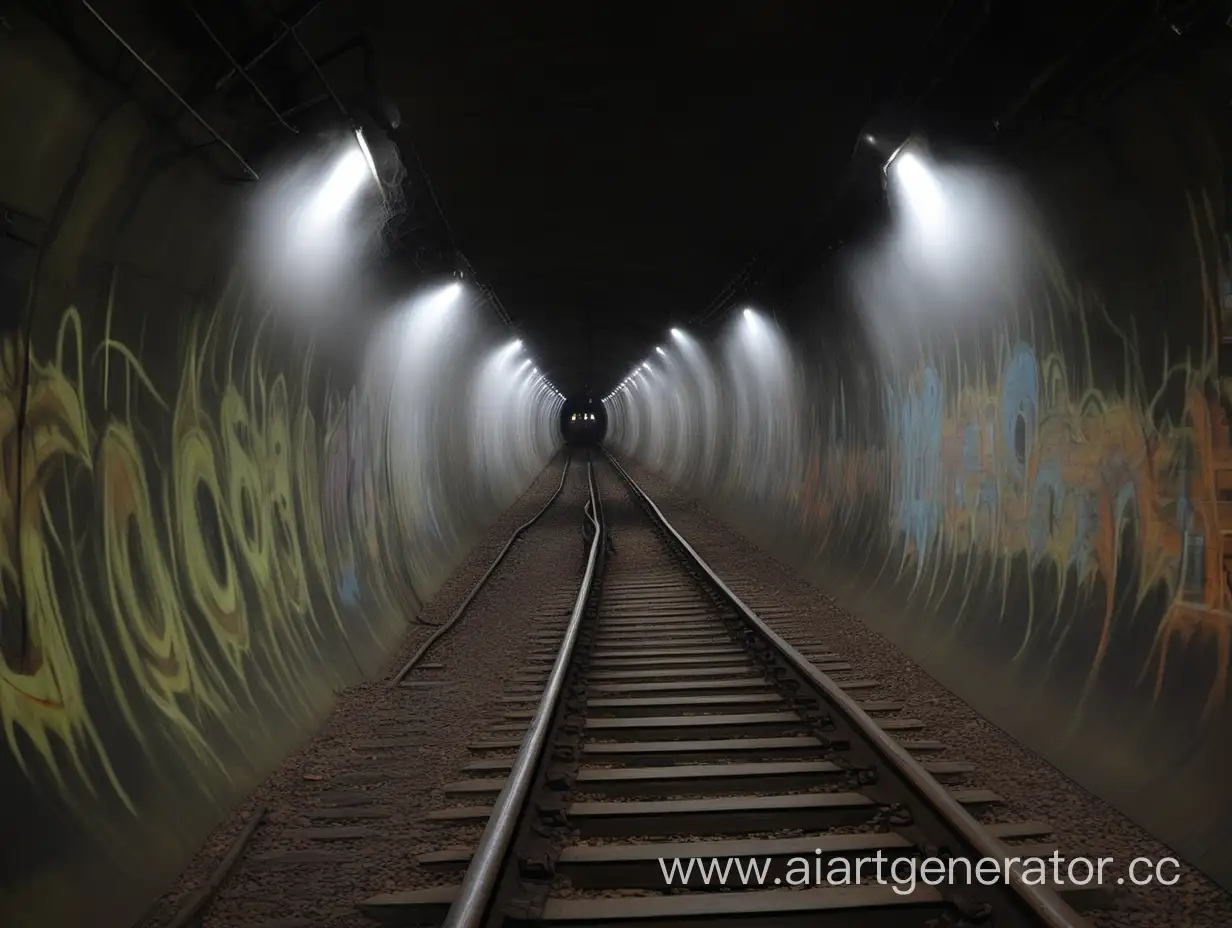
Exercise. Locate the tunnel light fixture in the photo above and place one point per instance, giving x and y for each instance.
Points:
(659, 348)
(508, 351)
(339, 190)
(440, 300)
(368, 159)
(885, 168)
(676, 333)
(919, 188)
(748, 313)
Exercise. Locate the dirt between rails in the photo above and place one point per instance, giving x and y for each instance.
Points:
(1034, 790)
(345, 813)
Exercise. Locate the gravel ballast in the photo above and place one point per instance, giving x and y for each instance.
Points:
(1083, 824)
(344, 816)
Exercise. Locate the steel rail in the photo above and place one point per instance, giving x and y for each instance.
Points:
(1043, 903)
(483, 876)
(445, 626)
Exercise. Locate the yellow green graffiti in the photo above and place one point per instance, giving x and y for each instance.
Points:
(179, 559)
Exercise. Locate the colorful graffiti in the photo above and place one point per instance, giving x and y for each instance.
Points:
(209, 521)
(1024, 455)
(1026, 485)
(189, 571)
(201, 544)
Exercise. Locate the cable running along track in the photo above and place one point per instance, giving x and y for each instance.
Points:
(673, 723)
(196, 904)
(443, 628)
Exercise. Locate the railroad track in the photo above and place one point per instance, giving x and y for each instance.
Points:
(322, 826)
(664, 721)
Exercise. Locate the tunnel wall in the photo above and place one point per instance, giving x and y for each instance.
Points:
(214, 517)
(1013, 460)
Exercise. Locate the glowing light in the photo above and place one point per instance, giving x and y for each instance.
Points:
(509, 350)
(646, 365)
(676, 333)
(754, 325)
(340, 188)
(367, 153)
(885, 168)
(442, 299)
(919, 188)
(660, 350)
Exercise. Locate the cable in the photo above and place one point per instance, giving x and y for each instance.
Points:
(242, 71)
(443, 627)
(436, 203)
(248, 169)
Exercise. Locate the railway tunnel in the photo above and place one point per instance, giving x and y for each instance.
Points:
(439, 490)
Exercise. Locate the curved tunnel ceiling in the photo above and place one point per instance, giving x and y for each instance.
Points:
(252, 466)
(608, 174)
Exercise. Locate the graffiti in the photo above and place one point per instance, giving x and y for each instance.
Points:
(208, 525)
(919, 462)
(201, 544)
(40, 689)
(1022, 476)
(1041, 504)
(1028, 456)
(188, 571)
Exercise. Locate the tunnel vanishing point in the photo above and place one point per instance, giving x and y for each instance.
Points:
(1007, 449)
